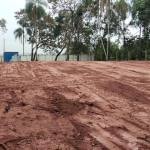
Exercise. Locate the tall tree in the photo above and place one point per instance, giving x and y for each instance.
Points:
(140, 14)
(122, 8)
(19, 34)
(36, 10)
(22, 20)
(44, 31)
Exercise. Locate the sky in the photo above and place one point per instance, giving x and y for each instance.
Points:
(7, 9)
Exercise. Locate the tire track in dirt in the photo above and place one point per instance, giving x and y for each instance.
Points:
(123, 78)
(66, 110)
(57, 73)
(130, 94)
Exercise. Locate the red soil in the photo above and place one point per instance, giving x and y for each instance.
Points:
(75, 106)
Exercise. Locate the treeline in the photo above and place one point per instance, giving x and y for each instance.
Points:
(86, 26)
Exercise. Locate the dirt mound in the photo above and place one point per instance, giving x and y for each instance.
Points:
(65, 107)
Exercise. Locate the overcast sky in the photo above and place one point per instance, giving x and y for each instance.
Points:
(7, 9)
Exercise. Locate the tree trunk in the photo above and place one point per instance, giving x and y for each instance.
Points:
(118, 53)
(68, 48)
(108, 19)
(90, 56)
(59, 53)
(116, 56)
(108, 39)
(67, 59)
(35, 24)
(31, 52)
(95, 55)
(78, 56)
(123, 35)
(145, 54)
(78, 43)
(34, 56)
(146, 50)
(128, 55)
(140, 40)
(98, 26)
(103, 46)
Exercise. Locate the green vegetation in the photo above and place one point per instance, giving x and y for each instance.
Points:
(87, 26)
(3, 25)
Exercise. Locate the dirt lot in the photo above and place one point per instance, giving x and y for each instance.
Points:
(75, 106)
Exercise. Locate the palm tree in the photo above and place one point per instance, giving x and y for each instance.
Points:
(35, 10)
(19, 34)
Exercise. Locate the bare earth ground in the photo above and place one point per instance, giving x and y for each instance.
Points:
(75, 106)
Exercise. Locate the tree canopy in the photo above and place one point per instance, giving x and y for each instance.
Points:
(3, 27)
(97, 27)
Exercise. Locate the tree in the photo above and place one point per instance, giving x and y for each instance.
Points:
(44, 31)
(122, 8)
(35, 10)
(67, 10)
(3, 25)
(19, 34)
(140, 14)
(22, 20)
(87, 26)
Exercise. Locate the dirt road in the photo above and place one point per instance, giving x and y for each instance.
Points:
(75, 106)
